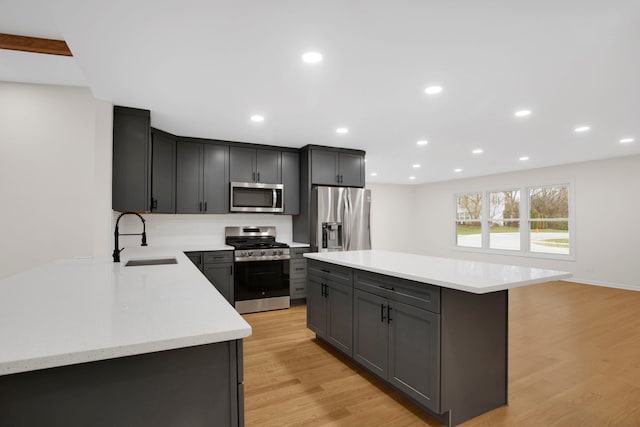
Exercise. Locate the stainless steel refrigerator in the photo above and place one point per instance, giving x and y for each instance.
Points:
(340, 219)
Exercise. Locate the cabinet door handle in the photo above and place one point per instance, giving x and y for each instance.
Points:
(258, 176)
(322, 289)
(382, 313)
(325, 271)
(299, 268)
(389, 319)
(205, 206)
(338, 179)
(231, 270)
(389, 288)
(326, 290)
(200, 207)
(154, 203)
(253, 176)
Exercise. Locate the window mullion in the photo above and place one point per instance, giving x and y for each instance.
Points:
(524, 220)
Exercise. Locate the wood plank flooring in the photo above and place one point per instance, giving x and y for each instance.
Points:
(574, 360)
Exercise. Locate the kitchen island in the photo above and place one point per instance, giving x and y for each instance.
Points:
(92, 342)
(435, 329)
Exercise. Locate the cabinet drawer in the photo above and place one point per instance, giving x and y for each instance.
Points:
(298, 289)
(298, 269)
(217, 257)
(332, 272)
(417, 294)
(298, 252)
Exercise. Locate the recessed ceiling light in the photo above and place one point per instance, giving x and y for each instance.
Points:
(342, 130)
(522, 113)
(422, 142)
(433, 90)
(373, 174)
(477, 151)
(412, 177)
(257, 118)
(626, 140)
(524, 158)
(312, 57)
(582, 129)
(416, 166)
(456, 170)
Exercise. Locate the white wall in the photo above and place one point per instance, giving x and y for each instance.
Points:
(55, 174)
(165, 229)
(392, 217)
(607, 200)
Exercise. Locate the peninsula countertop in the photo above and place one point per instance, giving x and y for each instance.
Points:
(80, 310)
(470, 276)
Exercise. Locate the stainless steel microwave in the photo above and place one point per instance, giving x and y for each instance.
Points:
(256, 197)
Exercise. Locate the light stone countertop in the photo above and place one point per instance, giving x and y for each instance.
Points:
(470, 276)
(79, 310)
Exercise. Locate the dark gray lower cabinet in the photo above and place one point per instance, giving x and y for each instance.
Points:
(298, 274)
(444, 349)
(218, 268)
(399, 343)
(221, 276)
(192, 386)
(330, 312)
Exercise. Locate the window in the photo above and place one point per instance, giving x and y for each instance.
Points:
(531, 220)
(468, 216)
(504, 220)
(549, 219)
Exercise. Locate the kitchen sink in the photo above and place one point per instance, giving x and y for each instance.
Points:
(154, 261)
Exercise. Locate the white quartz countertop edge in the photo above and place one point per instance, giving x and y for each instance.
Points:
(469, 276)
(82, 310)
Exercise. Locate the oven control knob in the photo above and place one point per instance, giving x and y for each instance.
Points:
(250, 253)
(262, 252)
(279, 252)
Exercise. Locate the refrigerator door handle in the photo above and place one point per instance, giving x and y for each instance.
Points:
(346, 224)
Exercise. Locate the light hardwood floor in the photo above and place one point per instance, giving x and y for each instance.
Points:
(574, 360)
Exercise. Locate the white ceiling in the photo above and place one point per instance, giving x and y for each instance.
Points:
(204, 67)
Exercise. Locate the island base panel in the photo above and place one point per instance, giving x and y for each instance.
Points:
(474, 353)
(192, 386)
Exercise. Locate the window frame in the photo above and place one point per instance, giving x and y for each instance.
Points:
(524, 221)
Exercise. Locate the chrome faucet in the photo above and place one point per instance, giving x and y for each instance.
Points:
(116, 251)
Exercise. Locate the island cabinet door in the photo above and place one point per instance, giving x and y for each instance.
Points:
(316, 307)
(414, 353)
(340, 316)
(370, 347)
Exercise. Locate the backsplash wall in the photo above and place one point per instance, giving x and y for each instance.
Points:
(167, 229)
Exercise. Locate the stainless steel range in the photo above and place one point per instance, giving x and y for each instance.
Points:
(261, 279)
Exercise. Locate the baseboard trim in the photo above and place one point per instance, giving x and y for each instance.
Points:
(604, 284)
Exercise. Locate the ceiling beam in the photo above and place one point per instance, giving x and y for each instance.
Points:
(34, 44)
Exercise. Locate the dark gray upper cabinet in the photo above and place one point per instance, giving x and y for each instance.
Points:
(255, 165)
(163, 172)
(337, 168)
(216, 179)
(351, 169)
(202, 183)
(189, 177)
(131, 158)
(291, 182)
